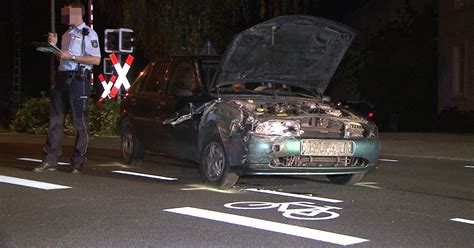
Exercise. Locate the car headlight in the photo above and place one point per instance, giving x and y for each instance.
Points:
(353, 130)
(373, 131)
(278, 127)
(358, 130)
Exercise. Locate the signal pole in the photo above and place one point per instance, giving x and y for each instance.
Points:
(16, 80)
(52, 62)
(90, 12)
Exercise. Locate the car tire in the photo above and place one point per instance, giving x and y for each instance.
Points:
(132, 150)
(214, 166)
(346, 179)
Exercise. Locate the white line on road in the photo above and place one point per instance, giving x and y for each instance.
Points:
(303, 232)
(469, 166)
(39, 161)
(294, 195)
(388, 160)
(463, 220)
(209, 188)
(114, 164)
(145, 175)
(368, 185)
(31, 183)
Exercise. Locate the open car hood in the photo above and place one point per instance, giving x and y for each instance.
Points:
(301, 50)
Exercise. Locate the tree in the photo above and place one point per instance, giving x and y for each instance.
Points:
(182, 27)
(397, 72)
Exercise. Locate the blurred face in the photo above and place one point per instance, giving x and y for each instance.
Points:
(71, 16)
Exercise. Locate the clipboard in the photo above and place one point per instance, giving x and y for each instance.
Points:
(46, 47)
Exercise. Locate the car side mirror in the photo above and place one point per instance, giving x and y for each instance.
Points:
(326, 99)
(183, 93)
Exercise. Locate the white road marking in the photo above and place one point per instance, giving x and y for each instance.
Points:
(31, 183)
(39, 161)
(294, 195)
(291, 210)
(463, 220)
(368, 185)
(303, 232)
(114, 164)
(209, 188)
(145, 175)
(469, 166)
(388, 160)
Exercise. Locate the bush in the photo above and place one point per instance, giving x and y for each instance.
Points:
(102, 117)
(4, 122)
(33, 117)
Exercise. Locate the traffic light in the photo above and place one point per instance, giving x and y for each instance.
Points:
(111, 42)
(120, 40)
(108, 67)
(127, 40)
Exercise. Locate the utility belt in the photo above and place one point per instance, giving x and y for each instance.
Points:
(81, 73)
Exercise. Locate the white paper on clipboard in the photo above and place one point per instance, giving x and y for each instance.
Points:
(46, 47)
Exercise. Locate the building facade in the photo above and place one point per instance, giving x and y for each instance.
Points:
(456, 55)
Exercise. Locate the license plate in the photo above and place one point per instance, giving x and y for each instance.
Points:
(315, 147)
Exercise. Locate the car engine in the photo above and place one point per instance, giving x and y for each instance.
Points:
(301, 118)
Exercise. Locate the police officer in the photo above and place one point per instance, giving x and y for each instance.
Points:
(79, 51)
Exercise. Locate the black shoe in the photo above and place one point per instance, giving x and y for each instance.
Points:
(45, 166)
(77, 168)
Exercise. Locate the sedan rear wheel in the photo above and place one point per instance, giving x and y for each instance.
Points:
(214, 168)
(346, 179)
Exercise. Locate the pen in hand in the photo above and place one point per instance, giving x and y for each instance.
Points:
(52, 38)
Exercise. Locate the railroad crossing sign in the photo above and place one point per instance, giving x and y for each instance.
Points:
(106, 85)
(112, 88)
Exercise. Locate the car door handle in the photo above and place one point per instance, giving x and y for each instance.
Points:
(161, 105)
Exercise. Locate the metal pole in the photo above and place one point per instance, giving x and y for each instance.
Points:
(53, 30)
(90, 8)
(119, 95)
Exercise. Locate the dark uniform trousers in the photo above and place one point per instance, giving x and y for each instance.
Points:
(71, 93)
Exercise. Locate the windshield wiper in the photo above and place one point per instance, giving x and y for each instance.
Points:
(285, 93)
(233, 90)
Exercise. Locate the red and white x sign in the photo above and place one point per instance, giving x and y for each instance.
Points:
(122, 73)
(107, 85)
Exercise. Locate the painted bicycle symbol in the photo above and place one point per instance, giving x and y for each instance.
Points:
(292, 210)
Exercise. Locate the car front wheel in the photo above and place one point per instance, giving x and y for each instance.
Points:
(132, 151)
(346, 179)
(214, 167)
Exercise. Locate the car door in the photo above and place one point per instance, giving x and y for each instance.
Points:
(180, 139)
(137, 100)
(154, 90)
(144, 102)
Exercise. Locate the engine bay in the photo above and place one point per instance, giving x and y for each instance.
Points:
(265, 108)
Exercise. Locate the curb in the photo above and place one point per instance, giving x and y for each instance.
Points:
(427, 157)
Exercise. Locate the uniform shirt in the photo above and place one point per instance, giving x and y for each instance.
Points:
(71, 41)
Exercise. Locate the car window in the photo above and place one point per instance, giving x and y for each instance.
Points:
(266, 88)
(139, 82)
(183, 78)
(157, 78)
(209, 69)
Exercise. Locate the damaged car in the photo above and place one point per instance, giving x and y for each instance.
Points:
(258, 110)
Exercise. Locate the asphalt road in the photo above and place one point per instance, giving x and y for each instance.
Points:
(403, 202)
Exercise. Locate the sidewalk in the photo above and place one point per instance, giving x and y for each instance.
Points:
(413, 145)
(429, 145)
(103, 142)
